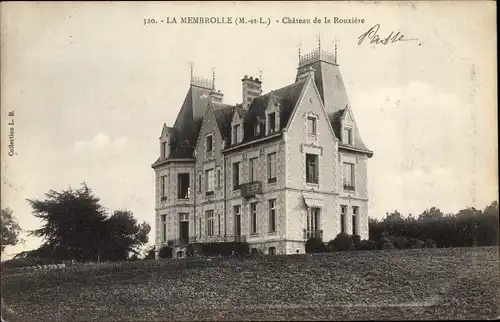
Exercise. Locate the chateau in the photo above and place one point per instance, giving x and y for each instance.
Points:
(273, 170)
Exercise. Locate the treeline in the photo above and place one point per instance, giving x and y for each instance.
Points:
(76, 227)
(468, 228)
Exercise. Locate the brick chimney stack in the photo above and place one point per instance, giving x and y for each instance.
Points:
(252, 88)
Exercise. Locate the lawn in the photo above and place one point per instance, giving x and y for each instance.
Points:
(453, 283)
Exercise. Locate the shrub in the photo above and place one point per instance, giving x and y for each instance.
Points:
(342, 242)
(399, 242)
(385, 243)
(190, 251)
(315, 245)
(367, 245)
(415, 243)
(356, 240)
(430, 243)
(165, 252)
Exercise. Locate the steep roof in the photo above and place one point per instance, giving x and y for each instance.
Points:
(287, 98)
(188, 122)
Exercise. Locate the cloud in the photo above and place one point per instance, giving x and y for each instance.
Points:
(102, 142)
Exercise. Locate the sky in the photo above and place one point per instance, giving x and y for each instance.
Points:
(91, 86)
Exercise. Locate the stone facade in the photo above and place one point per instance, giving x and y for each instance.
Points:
(311, 169)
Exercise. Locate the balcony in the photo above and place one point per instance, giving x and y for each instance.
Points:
(349, 186)
(218, 239)
(179, 241)
(250, 189)
(313, 234)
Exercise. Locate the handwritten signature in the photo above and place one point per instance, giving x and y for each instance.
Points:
(393, 37)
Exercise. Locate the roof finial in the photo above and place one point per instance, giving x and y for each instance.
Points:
(213, 77)
(335, 57)
(319, 42)
(299, 45)
(260, 74)
(191, 64)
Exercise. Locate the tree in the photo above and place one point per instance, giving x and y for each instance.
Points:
(9, 229)
(76, 226)
(123, 236)
(150, 253)
(73, 222)
(432, 213)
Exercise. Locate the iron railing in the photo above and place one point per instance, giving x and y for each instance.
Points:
(250, 189)
(313, 234)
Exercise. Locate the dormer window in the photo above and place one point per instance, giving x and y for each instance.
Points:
(256, 128)
(164, 150)
(209, 143)
(271, 121)
(347, 136)
(236, 134)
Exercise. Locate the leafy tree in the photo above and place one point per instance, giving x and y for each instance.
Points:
(123, 236)
(76, 226)
(9, 229)
(73, 220)
(430, 214)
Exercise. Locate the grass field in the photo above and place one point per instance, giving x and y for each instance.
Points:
(454, 283)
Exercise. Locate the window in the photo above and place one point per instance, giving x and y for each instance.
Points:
(237, 220)
(164, 227)
(253, 218)
(311, 168)
(218, 221)
(348, 176)
(313, 222)
(209, 143)
(272, 215)
(163, 183)
(271, 167)
(199, 225)
(354, 220)
(218, 178)
(311, 125)
(199, 182)
(164, 152)
(236, 176)
(343, 210)
(236, 134)
(183, 189)
(272, 250)
(209, 182)
(271, 120)
(252, 165)
(256, 128)
(209, 222)
(347, 135)
(184, 227)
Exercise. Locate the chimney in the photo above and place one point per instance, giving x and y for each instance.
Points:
(216, 96)
(252, 88)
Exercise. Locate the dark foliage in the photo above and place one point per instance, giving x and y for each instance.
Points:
(150, 253)
(342, 242)
(469, 227)
(315, 245)
(367, 245)
(76, 226)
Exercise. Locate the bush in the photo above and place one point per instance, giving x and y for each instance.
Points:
(315, 245)
(342, 242)
(356, 240)
(165, 252)
(190, 250)
(430, 243)
(367, 245)
(415, 243)
(399, 242)
(385, 243)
